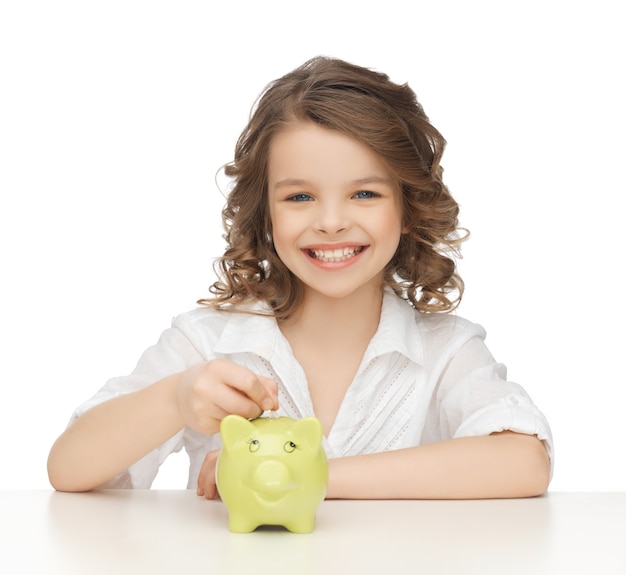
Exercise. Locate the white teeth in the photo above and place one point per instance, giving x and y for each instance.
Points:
(336, 255)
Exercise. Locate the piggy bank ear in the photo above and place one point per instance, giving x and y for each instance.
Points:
(309, 430)
(234, 428)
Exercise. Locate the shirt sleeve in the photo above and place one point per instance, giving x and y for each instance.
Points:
(475, 398)
(172, 353)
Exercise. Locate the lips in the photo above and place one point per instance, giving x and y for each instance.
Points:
(336, 254)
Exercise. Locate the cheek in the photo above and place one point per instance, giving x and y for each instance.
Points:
(280, 231)
(391, 225)
(284, 234)
(393, 231)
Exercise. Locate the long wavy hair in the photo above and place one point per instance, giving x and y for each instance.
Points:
(366, 105)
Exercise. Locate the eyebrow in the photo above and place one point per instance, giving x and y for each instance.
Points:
(358, 182)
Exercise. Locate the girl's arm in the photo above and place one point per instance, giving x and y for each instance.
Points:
(500, 465)
(110, 437)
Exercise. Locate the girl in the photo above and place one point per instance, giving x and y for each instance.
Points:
(331, 302)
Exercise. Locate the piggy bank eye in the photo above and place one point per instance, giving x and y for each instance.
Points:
(254, 445)
(290, 447)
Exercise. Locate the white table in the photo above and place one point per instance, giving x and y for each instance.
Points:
(151, 532)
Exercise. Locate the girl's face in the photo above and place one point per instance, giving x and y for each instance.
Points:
(335, 209)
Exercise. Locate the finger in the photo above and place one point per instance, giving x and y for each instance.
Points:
(255, 387)
(228, 400)
(206, 477)
(271, 387)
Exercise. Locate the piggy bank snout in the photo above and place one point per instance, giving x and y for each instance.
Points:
(271, 475)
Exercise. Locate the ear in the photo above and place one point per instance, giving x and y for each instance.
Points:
(234, 428)
(310, 431)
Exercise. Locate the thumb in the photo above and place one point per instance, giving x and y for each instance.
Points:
(271, 387)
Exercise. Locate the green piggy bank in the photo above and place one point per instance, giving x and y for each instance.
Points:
(271, 472)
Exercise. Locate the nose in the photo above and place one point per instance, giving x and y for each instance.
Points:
(332, 218)
(271, 475)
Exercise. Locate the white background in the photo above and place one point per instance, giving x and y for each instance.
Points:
(116, 116)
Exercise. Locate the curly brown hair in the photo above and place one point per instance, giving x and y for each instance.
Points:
(386, 117)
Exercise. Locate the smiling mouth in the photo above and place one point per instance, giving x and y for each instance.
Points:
(336, 255)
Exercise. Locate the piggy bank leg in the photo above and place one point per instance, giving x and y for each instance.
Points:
(301, 524)
(238, 523)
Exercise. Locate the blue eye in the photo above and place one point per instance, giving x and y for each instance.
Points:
(300, 198)
(365, 195)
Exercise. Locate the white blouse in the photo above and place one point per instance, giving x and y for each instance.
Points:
(423, 378)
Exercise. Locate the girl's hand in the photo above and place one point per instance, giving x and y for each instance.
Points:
(208, 392)
(206, 478)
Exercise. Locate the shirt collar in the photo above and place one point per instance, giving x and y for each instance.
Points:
(250, 332)
(398, 331)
